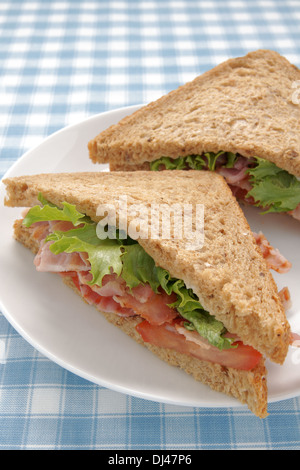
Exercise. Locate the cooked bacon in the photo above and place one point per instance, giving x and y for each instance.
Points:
(142, 293)
(114, 297)
(295, 340)
(242, 195)
(60, 225)
(112, 285)
(155, 309)
(237, 176)
(39, 231)
(143, 300)
(232, 175)
(285, 298)
(102, 303)
(274, 258)
(46, 261)
(295, 213)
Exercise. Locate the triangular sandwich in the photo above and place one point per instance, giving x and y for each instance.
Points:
(203, 300)
(240, 119)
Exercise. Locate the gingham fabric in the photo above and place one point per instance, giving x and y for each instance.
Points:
(63, 61)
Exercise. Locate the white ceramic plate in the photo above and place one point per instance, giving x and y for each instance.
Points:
(57, 323)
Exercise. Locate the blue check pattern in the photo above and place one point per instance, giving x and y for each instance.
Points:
(62, 62)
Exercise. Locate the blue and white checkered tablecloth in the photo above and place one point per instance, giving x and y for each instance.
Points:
(61, 62)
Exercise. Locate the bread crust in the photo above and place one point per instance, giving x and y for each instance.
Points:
(249, 387)
(245, 105)
(228, 274)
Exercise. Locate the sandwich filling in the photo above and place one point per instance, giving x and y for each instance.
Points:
(254, 180)
(118, 276)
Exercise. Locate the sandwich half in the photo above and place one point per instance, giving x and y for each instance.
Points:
(240, 119)
(212, 309)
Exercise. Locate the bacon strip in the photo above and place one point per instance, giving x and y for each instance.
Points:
(295, 213)
(46, 261)
(111, 284)
(285, 298)
(237, 176)
(91, 296)
(155, 309)
(274, 258)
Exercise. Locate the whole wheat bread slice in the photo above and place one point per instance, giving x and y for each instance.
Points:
(228, 274)
(245, 105)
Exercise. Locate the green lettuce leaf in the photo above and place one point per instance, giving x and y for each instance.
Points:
(208, 327)
(103, 255)
(231, 159)
(273, 188)
(49, 212)
(139, 267)
(194, 162)
(190, 309)
(262, 169)
(212, 159)
(169, 163)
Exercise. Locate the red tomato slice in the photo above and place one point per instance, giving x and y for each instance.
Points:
(243, 357)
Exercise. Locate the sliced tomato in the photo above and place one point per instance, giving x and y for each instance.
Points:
(242, 357)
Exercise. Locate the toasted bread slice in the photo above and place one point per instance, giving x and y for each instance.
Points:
(245, 105)
(249, 387)
(228, 274)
